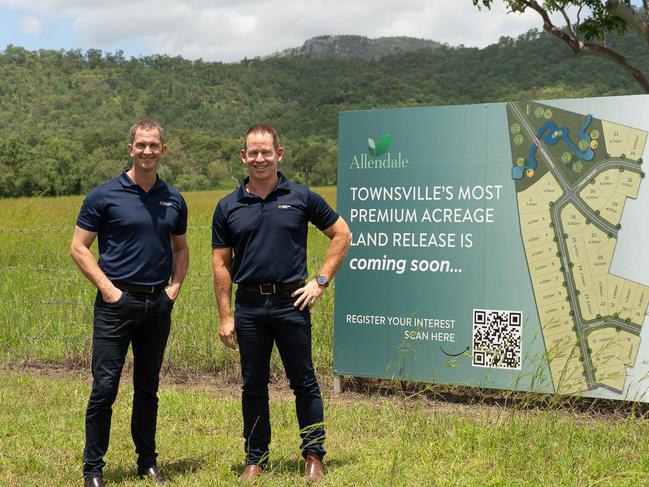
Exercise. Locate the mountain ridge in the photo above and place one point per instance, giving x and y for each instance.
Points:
(349, 46)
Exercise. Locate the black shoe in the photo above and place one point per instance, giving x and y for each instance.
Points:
(154, 474)
(93, 482)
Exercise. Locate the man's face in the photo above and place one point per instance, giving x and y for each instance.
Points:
(261, 158)
(146, 149)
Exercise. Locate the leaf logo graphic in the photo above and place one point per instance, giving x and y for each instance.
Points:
(380, 148)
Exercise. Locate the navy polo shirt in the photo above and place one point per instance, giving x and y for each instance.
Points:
(134, 228)
(268, 236)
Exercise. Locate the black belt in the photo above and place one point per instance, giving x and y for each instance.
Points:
(271, 288)
(137, 289)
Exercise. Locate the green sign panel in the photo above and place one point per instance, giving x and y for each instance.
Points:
(500, 245)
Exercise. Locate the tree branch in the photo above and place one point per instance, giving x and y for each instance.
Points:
(591, 48)
(569, 25)
(230, 172)
(578, 17)
(625, 12)
(611, 55)
(570, 36)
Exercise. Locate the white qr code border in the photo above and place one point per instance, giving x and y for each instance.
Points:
(508, 342)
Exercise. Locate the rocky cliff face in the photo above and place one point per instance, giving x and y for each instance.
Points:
(357, 46)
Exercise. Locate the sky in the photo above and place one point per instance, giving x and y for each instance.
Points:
(230, 30)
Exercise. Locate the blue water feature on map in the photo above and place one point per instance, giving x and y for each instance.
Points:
(551, 134)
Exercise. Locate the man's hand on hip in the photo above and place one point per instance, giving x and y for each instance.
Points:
(172, 291)
(227, 334)
(112, 295)
(308, 294)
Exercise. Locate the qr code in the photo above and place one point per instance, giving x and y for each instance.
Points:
(496, 338)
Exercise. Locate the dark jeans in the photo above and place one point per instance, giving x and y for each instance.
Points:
(143, 321)
(260, 321)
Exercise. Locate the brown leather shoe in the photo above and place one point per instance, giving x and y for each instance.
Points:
(314, 470)
(250, 472)
(153, 473)
(93, 482)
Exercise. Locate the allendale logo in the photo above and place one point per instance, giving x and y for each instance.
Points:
(378, 157)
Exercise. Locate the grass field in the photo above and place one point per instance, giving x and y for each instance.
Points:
(46, 310)
(372, 442)
(46, 317)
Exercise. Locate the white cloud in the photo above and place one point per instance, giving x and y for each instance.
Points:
(29, 26)
(229, 30)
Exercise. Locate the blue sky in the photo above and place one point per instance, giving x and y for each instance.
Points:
(229, 30)
(51, 33)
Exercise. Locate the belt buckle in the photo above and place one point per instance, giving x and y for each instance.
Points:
(272, 291)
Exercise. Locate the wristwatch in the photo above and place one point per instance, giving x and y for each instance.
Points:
(322, 280)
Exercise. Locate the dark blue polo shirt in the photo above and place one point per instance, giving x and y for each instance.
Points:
(134, 228)
(268, 236)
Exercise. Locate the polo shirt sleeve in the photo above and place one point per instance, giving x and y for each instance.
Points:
(319, 212)
(220, 233)
(181, 224)
(91, 214)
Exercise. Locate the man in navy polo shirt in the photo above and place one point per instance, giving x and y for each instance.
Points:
(259, 236)
(143, 258)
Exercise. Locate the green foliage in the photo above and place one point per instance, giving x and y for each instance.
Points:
(587, 25)
(596, 24)
(65, 115)
(577, 166)
(566, 157)
(601, 22)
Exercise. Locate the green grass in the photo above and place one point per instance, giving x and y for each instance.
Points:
(46, 316)
(385, 441)
(46, 310)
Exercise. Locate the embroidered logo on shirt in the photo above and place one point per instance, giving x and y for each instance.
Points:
(166, 203)
(283, 207)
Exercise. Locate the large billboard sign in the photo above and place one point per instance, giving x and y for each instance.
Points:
(503, 245)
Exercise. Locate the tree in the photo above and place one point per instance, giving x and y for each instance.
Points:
(587, 35)
(577, 166)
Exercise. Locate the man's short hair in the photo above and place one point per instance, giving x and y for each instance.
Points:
(147, 124)
(264, 129)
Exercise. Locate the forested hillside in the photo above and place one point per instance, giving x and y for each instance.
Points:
(64, 116)
(357, 46)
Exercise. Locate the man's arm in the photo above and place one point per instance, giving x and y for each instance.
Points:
(180, 266)
(81, 255)
(221, 265)
(341, 238)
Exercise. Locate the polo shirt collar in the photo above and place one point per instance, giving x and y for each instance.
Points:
(282, 183)
(128, 182)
